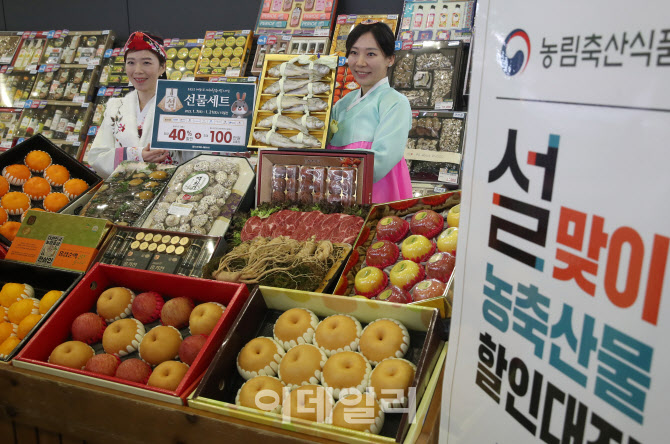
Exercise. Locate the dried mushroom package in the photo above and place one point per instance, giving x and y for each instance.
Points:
(428, 75)
(127, 194)
(313, 184)
(435, 145)
(437, 131)
(200, 194)
(451, 135)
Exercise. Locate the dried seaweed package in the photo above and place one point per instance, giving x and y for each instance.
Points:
(129, 192)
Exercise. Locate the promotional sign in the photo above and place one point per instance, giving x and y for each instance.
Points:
(202, 116)
(560, 326)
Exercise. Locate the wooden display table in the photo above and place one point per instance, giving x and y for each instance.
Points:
(38, 408)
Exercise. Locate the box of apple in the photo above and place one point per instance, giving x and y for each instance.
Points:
(407, 251)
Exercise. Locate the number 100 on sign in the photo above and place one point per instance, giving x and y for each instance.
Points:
(211, 131)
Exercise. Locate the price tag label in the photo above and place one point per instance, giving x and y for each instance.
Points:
(448, 176)
(459, 115)
(179, 209)
(433, 156)
(322, 32)
(445, 105)
(78, 99)
(72, 138)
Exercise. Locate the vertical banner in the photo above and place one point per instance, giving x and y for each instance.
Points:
(560, 328)
(202, 116)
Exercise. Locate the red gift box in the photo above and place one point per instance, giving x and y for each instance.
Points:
(83, 299)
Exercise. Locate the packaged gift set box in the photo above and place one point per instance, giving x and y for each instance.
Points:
(83, 299)
(427, 350)
(312, 176)
(58, 240)
(161, 251)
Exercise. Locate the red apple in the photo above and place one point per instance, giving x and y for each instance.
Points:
(147, 307)
(440, 266)
(391, 228)
(134, 370)
(428, 289)
(394, 294)
(176, 312)
(190, 347)
(88, 328)
(104, 364)
(427, 223)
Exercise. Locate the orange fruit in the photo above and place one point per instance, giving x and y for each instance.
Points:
(27, 324)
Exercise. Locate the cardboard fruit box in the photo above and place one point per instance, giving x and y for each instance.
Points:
(77, 170)
(83, 299)
(42, 280)
(216, 393)
(403, 209)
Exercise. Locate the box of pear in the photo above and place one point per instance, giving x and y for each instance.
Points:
(318, 355)
(136, 331)
(406, 253)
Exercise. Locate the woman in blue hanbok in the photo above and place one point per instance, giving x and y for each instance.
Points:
(376, 116)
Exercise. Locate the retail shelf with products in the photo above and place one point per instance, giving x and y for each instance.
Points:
(76, 47)
(182, 58)
(9, 121)
(437, 20)
(15, 87)
(435, 147)
(30, 50)
(429, 74)
(114, 69)
(224, 53)
(286, 44)
(9, 43)
(71, 83)
(64, 123)
(296, 17)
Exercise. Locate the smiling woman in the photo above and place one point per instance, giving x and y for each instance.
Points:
(125, 133)
(376, 117)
